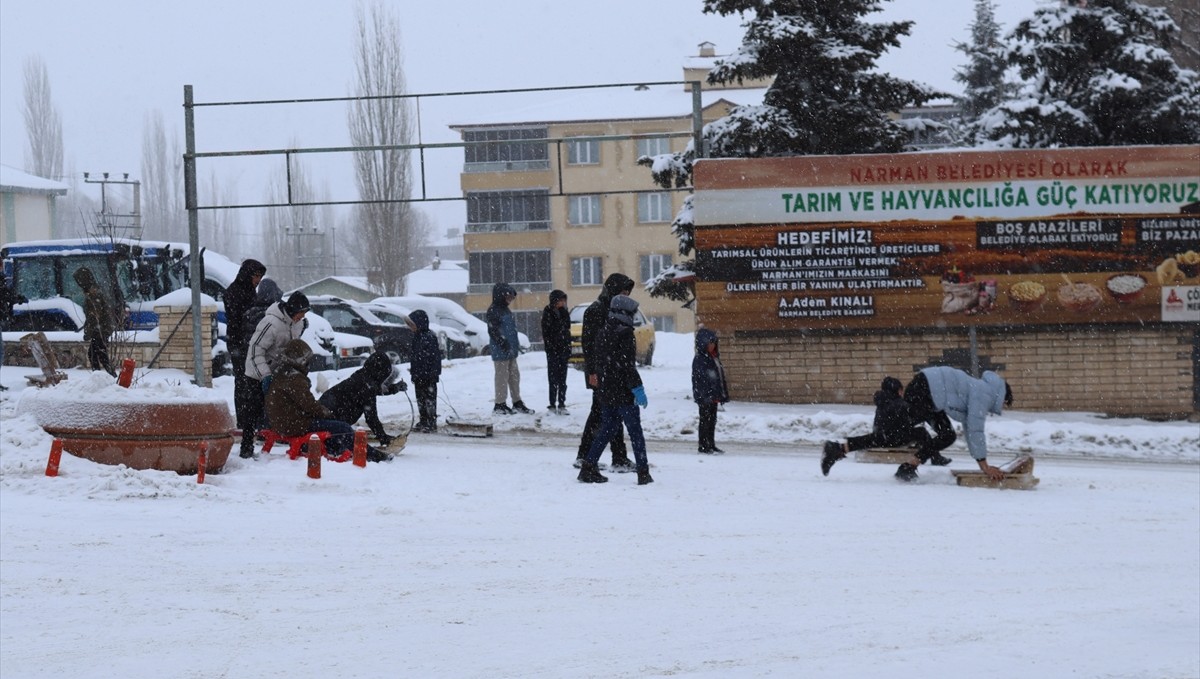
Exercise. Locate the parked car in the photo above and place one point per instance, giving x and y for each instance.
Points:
(643, 336)
(449, 314)
(452, 342)
(333, 350)
(394, 339)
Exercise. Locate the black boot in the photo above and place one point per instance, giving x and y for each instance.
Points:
(833, 453)
(644, 476)
(376, 455)
(907, 472)
(503, 409)
(623, 465)
(589, 473)
(520, 407)
(939, 460)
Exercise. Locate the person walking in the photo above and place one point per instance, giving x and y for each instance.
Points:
(556, 338)
(620, 391)
(281, 323)
(940, 393)
(895, 426)
(506, 347)
(709, 388)
(8, 297)
(239, 297)
(355, 397)
(594, 318)
(97, 320)
(425, 369)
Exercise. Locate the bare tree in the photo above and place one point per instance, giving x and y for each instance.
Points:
(294, 237)
(388, 233)
(163, 216)
(43, 124)
(219, 228)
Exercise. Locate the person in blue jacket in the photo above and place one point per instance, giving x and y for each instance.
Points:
(941, 393)
(709, 388)
(505, 347)
(425, 368)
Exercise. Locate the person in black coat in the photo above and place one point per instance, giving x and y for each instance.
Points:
(594, 319)
(556, 338)
(896, 425)
(709, 388)
(8, 297)
(425, 368)
(619, 390)
(251, 408)
(239, 297)
(354, 397)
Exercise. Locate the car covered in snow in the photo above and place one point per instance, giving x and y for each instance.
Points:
(450, 314)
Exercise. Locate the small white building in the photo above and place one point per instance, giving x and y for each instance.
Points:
(445, 278)
(28, 206)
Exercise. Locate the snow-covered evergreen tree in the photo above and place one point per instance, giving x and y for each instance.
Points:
(984, 84)
(1096, 73)
(826, 97)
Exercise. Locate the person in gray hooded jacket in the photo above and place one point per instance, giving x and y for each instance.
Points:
(940, 393)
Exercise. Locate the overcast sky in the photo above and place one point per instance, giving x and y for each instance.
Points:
(112, 63)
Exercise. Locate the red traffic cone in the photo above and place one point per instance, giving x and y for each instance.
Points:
(360, 448)
(55, 458)
(316, 451)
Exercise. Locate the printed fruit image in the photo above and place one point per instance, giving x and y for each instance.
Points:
(1189, 263)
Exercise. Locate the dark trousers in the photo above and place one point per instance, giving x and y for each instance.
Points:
(556, 373)
(341, 439)
(920, 399)
(251, 408)
(611, 418)
(708, 426)
(590, 428)
(98, 356)
(426, 401)
(889, 439)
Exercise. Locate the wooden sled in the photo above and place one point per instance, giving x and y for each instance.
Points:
(43, 354)
(1018, 475)
(397, 444)
(456, 427)
(884, 455)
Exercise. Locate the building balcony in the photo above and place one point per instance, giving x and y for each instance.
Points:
(521, 288)
(507, 166)
(500, 227)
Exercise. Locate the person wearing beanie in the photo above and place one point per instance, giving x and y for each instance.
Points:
(294, 412)
(895, 426)
(620, 390)
(238, 299)
(281, 323)
(709, 388)
(97, 320)
(505, 347)
(556, 338)
(593, 322)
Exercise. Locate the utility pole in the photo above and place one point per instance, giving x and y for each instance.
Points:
(108, 223)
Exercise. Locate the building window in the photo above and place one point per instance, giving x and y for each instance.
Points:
(654, 207)
(583, 152)
(524, 268)
(652, 265)
(663, 323)
(506, 150)
(584, 210)
(587, 271)
(526, 210)
(653, 147)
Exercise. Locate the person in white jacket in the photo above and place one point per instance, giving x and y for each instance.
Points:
(940, 393)
(282, 323)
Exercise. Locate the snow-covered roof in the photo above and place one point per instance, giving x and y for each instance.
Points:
(656, 102)
(451, 276)
(13, 180)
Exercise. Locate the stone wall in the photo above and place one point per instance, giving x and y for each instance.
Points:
(1143, 371)
(175, 335)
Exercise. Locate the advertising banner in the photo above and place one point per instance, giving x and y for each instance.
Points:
(1095, 235)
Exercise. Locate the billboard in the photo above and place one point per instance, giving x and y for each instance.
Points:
(938, 239)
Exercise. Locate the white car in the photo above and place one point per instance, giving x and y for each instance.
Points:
(451, 315)
(452, 342)
(335, 349)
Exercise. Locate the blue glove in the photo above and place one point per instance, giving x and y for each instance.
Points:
(266, 383)
(639, 396)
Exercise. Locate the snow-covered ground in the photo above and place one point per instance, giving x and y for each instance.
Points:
(484, 557)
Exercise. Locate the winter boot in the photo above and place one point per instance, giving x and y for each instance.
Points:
(907, 472)
(622, 465)
(589, 473)
(562, 409)
(376, 455)
(939, 460)
(833, 453)
(503, 409)
(520, 407)
(644, 476)
(578, 463)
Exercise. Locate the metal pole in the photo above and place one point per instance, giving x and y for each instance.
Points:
(697, 120)
(974, 351)
(189, 191)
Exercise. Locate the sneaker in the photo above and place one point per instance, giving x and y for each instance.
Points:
(939, 460)
(503, 409)
(520, 407)
(833, 453)
(377, 455)
(623, 466)
(424, 428)
(907, 473)
(644, 476)
(705, 451)
(562, 410)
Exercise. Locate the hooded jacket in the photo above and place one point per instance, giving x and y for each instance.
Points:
(267, 295)
(502, 327)
(271, 334)
(239, 297)
(290, 404)
(614, 354)
(893, 415)
(425, 359)
(354, 397)
(97, 316)
(595, 315)
(556, 326)
(967, 400)
(708, 375)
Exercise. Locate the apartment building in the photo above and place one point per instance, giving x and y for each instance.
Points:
(555, 197)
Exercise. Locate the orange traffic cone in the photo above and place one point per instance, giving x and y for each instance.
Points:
(316, 451)
(360, 448)
(55, 458)
(126, 377)
(201, 461)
